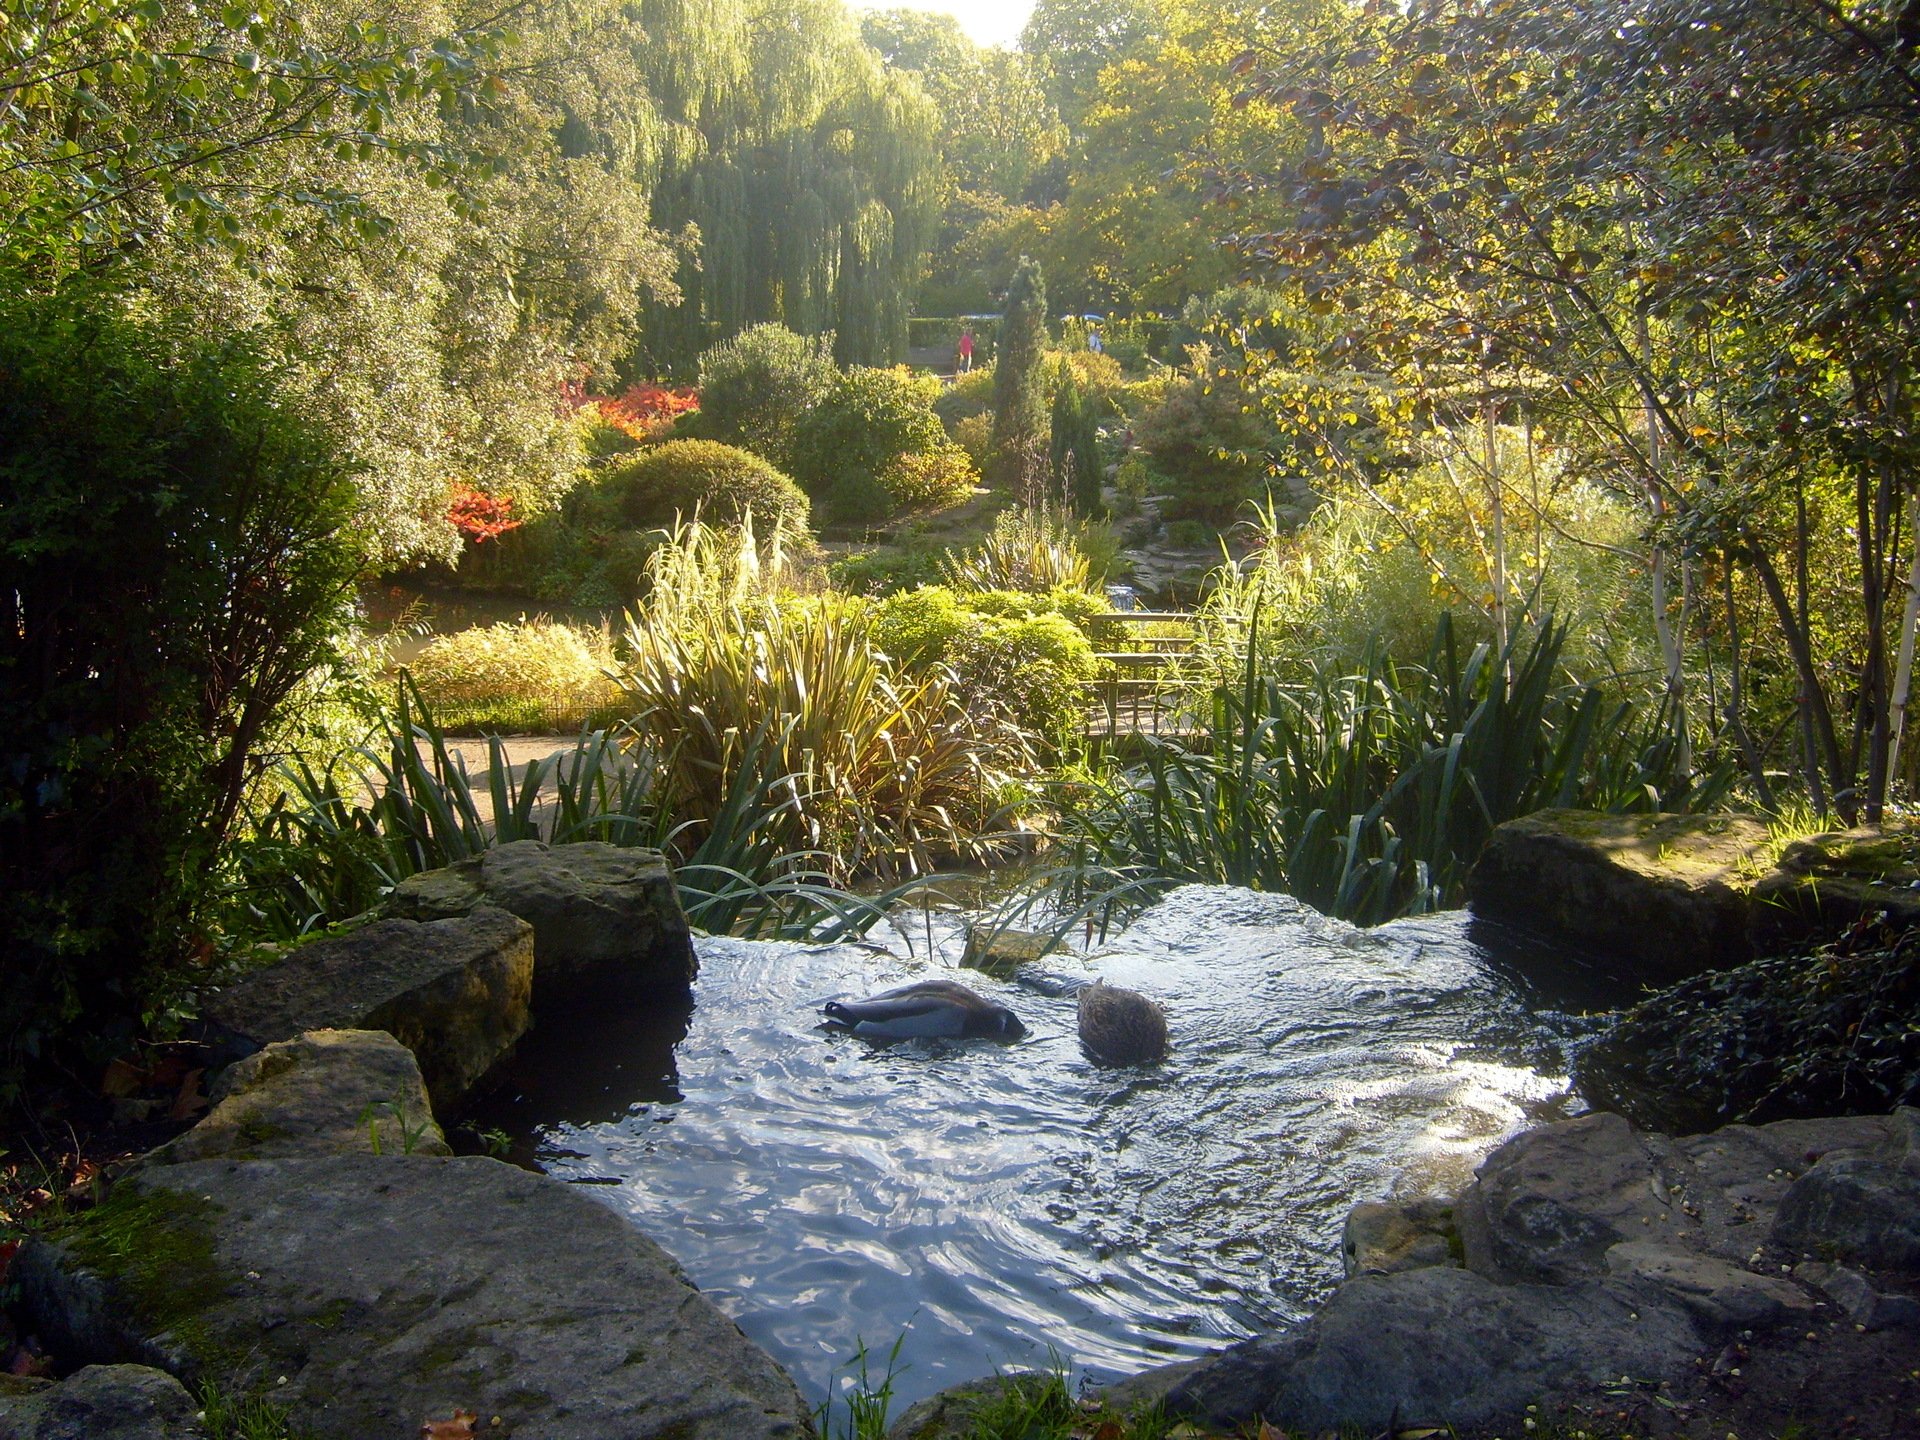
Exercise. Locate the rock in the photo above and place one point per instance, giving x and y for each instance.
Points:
(1858, 1299)
(328, 1092)
(1434, 1347)
(1595, 1252)
(999, 951)
(1824, 884)
(104, 1402)
(600, 912)
(1551, 1202)
(388, 1289)
(1385, 1239)
(1723, 1297)
(1664, 893)
(455, 992)
(1854, 1209)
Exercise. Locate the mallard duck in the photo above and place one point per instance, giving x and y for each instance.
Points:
(925, 1008)
(1121, 1027)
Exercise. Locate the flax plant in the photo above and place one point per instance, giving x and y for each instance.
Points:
(881, 772)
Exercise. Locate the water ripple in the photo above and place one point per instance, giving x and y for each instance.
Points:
(998, 1202)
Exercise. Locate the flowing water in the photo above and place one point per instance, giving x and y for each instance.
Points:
(997, 1202)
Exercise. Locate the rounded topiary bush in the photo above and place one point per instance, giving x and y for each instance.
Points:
(845, 446)
(755, 386)
(721, 482)
(941, 476)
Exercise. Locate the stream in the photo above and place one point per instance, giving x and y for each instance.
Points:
(995, 1205)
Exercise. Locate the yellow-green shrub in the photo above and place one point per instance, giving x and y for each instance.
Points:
(721, 482)
(938, 477)
(535, 675)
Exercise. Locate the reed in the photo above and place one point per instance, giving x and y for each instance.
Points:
(1368, 795)
(334, 840)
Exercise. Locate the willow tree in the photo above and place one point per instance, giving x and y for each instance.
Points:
(1019, 387)
(810, 173)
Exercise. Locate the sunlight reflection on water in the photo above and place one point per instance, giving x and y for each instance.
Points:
(994, 1201)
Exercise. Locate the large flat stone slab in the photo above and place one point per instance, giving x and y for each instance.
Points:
(393, 1289)
(455, 992)
(1664, 893)
(601, 913)
(328, 1092)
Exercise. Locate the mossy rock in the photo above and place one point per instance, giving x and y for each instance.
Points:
(1826, 884)
(387, 1289)
(1662, 896)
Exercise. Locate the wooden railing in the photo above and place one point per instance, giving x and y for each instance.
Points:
(1138, 696)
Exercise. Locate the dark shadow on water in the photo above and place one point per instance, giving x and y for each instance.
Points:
(596, 1058)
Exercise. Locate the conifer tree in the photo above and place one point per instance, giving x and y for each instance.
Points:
(1019, 390)
(1075, 444)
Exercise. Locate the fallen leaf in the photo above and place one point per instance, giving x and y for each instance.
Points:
(191, 1101)
(123, 1078)
(1267, 1432)
(460, 1427)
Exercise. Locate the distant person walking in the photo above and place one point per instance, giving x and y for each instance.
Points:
(1094, 342)
(966, 349)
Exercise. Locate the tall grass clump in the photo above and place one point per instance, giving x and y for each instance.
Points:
(885, 772)
(531, 676)
(1029, 549)
(335, 839)
(1368, 793)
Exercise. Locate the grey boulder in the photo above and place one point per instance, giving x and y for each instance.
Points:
(1666, 894)
(104, 1402)
(600, 913)
(456, 992)
(328, 1092)
(389, 1290)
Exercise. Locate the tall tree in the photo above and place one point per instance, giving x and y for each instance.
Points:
(1689, 241)
(1019, 385)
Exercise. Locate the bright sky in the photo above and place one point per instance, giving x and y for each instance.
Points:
(989, 22)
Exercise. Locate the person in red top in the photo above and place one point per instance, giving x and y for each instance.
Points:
(966, 349)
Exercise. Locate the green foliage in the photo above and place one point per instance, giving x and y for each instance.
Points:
(883, 771)
(535, 676)
(1216, 450)
(755, 387)
(178, 558)
(1384, 563)
(1027, 549)
(1025, 655)
(810, 171)
(1833, 1029)
(335, 840)
(936, 479)
(1075, 445)
(974, 434)
(1369, 794)
(847, 448)
(1019, 387)
(230, 1414)
(886, 571)
(719, 482)
(111, 105)
(970, 394)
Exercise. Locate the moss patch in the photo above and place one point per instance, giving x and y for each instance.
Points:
(156, 1247)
